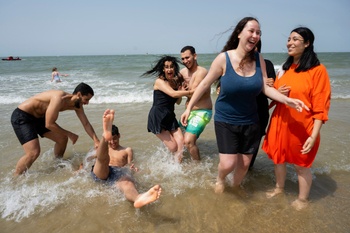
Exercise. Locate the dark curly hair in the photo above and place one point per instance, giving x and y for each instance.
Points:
(158, 70)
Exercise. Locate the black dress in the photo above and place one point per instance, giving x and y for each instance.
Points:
(162, 115)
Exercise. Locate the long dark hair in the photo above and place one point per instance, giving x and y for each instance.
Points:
(233, 40)
(158, 70)
(309, 58)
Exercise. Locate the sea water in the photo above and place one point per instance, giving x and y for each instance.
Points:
(53, 196)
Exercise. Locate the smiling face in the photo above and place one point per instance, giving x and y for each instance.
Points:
(169, 70)
(188, 59)
(114, 143)
(82, 100)
(296, 46)
(250, 35)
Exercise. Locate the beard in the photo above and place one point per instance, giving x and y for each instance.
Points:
(77, 103)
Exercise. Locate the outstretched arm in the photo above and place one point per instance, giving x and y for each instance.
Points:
(130, 153)
(274, 94)
(87, 126)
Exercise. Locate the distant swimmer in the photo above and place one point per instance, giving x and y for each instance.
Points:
(55, 76)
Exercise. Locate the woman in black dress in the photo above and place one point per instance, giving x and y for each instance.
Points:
(168, 90)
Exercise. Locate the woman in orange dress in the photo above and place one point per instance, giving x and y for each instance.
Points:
(294, 137)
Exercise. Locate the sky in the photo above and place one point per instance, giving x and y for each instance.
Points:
(117, 27)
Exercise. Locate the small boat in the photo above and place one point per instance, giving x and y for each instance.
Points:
(11, 59)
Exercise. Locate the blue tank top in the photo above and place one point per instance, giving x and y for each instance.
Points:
(236, 103)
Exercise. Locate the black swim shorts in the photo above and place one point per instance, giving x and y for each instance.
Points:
(26, 126)
(234, 139)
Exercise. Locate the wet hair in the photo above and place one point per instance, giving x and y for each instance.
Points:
(309, 58)
(84, 89)
(54, 69)
(158, 70)
(188, 47)
(233, 40)
(115, 130)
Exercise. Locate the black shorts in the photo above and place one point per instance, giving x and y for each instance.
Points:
(237, 139)
(26, 126)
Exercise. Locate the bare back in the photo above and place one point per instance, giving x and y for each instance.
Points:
(37, 105)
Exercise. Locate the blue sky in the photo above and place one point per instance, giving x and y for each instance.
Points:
(109, 27)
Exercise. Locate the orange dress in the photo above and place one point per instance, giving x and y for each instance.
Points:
(289, 129)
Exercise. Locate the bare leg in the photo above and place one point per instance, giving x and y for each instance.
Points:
(108, 117)
(305, 182)
(32, 152)
(179, 138)
(173, 141)
(242, 167)
(190, 142)
(280, 173)
(101, 167)
(226, 165)
(60, 143)
(168, 140)
(131, 194)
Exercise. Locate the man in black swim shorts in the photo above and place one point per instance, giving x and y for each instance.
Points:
(37, 116)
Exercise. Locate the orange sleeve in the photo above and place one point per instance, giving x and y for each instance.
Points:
(321, 95)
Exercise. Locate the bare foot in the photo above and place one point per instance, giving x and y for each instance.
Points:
(274, 192)
(219, 186)
(240, 191)
(108, 117)
(148, 197)
(299, 204)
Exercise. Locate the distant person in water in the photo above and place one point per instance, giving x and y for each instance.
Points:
(111, 162)
(55, 75)
(38, 115)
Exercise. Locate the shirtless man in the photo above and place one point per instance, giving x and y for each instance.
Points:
(202, 111)
(111, 159)
(37, 116)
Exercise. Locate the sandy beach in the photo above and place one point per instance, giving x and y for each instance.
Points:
(53, 197)
(51, 191)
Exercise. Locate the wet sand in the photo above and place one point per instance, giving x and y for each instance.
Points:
(51, 198)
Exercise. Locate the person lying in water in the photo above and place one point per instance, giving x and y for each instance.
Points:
(111, 161)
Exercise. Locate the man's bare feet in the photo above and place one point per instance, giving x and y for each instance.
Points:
(219, 186)
(276, 191)
(148, 197)
(300, 204)
(108, 117)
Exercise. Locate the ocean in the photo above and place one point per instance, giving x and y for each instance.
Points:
(54, 197)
